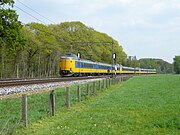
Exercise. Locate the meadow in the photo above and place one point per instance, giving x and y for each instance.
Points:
(141, 105)
(38, 105)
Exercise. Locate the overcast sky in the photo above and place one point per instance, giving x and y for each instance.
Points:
(145, 28)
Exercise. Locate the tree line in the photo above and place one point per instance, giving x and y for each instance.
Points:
(160, 65)
(44, 45)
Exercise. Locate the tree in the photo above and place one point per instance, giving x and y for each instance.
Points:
(10, 27)
(160, 65)
(177, 64)
(32, 48)
(11, 37)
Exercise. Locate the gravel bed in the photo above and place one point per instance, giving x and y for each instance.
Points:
(39, 87)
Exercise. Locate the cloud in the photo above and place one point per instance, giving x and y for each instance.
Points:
(149, 24)
(176, 5)
(159, 7)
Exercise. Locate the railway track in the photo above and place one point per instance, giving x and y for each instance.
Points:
(20, 82)
(12, 87)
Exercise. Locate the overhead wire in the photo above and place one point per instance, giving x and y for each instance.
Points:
(87, 43)
(45, 23)
(29, 14)
(35, 11)
(36, 19)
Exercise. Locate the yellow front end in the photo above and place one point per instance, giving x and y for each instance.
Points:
(66, 66)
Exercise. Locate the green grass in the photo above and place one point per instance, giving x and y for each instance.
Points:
(38, 107)
(142, 105)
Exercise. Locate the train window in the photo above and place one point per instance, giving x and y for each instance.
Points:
(82, 65)
(78, 64)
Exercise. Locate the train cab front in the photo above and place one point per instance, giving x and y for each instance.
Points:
(66, 65)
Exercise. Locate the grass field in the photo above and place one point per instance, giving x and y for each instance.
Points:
(38, 106)
(142, 105)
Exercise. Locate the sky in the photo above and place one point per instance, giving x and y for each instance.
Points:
(144, 28)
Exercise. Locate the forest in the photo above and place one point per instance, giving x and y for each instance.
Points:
(34, 49)
(44, 45)
(160, 65)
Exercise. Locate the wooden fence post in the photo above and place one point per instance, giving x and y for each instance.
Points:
(120, 79)
(88, 89)
(52, 103)
(112, 80)
(79, 93)
(94, 87)
(67, 97)
(106, 83)
(24, 110)
(103, 83)
(109, 82)
(99, 85)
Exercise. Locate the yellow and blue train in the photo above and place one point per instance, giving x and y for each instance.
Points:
(71, 65)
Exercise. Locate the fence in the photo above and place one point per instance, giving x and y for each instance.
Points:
(36, 106)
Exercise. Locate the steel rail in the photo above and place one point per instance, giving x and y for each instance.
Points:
(20, 82)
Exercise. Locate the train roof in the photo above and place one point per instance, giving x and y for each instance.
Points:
(128, 67)
(70, 56)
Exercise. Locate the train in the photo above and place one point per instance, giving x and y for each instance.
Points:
(71, 65)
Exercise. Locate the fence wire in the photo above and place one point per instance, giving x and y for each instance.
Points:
(38, 105)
